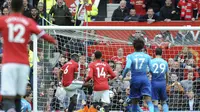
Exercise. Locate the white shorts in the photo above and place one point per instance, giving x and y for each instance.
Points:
(71, 89)
(14, 79)
(101, 96)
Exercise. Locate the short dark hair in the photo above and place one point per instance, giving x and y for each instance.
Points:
(98, 55)
(159, 51)
(75, 57)
(138, 44)
(17, 5)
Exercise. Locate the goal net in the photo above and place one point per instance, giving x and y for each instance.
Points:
(180, 49)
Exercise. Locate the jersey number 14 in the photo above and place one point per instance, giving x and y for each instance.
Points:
(100, 72)
(12, 29)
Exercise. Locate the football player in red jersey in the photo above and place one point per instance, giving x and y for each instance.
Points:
(100, 72)
(69, 72)
(16, 30)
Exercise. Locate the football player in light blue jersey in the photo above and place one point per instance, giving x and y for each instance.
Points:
(25, 105)
(140, 86)
(159, 72)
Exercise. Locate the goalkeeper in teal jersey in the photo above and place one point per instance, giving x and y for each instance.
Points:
(140, 86)
(159, 71)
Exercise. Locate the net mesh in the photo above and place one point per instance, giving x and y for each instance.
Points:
(180, 50)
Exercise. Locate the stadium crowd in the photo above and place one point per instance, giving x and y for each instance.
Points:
(183, 87)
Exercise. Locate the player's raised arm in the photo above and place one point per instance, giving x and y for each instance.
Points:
(40, 33)
(90, 73)
(128, 66)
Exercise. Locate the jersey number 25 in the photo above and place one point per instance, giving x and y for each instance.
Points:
(12, 29)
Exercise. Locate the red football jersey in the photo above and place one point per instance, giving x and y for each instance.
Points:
(138, 5)
(69, 69)
(118, 59)
(16, 30)
(100, 72)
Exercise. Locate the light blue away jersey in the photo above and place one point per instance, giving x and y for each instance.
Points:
(25, 106)
(138, 63)
(158, 69)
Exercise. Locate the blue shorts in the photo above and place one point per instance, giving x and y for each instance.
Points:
(140, 86)
(159, 90)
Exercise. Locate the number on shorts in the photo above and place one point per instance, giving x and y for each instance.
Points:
(161, 66)
(66, 70)
(139, 62)
(12, 29)
(101, 72)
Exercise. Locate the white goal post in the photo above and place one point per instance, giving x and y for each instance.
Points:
(85, 29)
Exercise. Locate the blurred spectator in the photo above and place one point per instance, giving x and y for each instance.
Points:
(173, 78)
(155, 4)
(49, 4)
(112, 64)
(191, 103)
(5, 11)
(175, 92)
(188, 84)
(61, 14)
(183, 55)
(27, 8)
(139, 6)
(188, 9)
(7, 3)
(62, 61)
(42, 15)
(85, 11)
(150, 17)
(120, 58)
(121, 12)
(171, 63)
(167, 36)
(138, 34)
(82, 66)
(168, 12)
(185, 37)
(28, 88)
(177, 70)
(34, 14)
(132, 16)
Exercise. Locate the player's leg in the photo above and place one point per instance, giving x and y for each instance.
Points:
(22, 77)
(97, 99)
(105, 99)
(8, 86)
(164, 97)
(155, 95)
(146, 92)
(135, 95)
(72, 104)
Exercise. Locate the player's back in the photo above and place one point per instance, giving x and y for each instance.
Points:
(101, 70)
(139, 63)
(69, 69)
(158, 69)
(15, 30)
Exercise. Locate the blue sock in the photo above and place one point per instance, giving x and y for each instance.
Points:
(156, 108)
(150, 105)
(165, 108)
(139, 109)
(134, 108)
